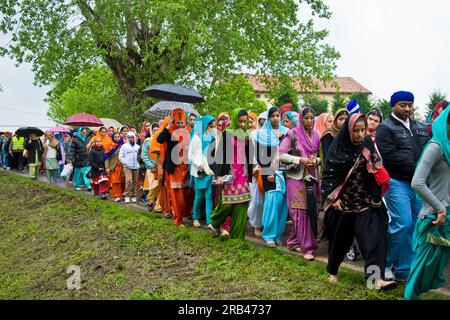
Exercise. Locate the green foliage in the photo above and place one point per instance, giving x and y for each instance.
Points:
(433, 99)
(320, 105)
(385, 107)
(363, 100)
(282, 91)
(189, 42)
(224, 96)
(339, 102)
(94, 91)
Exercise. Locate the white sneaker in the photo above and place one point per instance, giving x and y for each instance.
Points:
(133, 200)
(127, 200)
(77, 189)
(117, 199)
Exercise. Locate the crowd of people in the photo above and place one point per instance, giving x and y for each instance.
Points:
(345, 177)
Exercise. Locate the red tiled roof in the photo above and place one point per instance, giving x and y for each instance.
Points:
(346, 85)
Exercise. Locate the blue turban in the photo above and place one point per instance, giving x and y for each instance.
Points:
(353, 107)
(401, 96)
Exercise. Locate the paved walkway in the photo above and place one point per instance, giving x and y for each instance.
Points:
(320, 255)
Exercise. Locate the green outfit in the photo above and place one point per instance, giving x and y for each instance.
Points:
(432, 245)
(236, 205)
(238, 213)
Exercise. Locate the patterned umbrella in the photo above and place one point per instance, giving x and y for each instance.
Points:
(108, 122)
(58, 129)
(83, 120)
(162, 109)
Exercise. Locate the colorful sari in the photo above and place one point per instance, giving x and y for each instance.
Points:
(301, 236)
(235, 196)
(430, 242)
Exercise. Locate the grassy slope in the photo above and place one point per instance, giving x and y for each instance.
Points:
(124, 253)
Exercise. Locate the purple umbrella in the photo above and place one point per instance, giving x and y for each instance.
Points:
(83, 120)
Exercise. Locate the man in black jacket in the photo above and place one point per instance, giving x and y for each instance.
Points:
(401, 141)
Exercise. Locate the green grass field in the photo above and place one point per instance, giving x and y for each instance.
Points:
(129, 254)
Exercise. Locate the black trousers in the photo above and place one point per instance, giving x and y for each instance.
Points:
(370, 230)
(17, 160)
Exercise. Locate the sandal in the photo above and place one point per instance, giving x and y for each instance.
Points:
(196, 224)
(271, 244)
(308, 257)
(224, 233)
(333, 279)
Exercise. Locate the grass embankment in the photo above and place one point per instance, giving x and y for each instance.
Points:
(128, 254)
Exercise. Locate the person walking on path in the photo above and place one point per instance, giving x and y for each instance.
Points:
(431, 182)
(114, 167)
(232, 158)
(128, 155)
(201, 174)
(52, 154)
(329, 135)
(256, 206)
(175, 140)
(79, 158)
(35, 152)
(151, 183)
(401, 141)
(275, 210)
(353, 183)
(301, 147)
(99, 176)
(17, 148)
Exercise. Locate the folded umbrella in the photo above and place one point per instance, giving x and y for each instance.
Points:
(172, 92)
(162, 109)
(310, 181)
(26, 131)
(83, 120)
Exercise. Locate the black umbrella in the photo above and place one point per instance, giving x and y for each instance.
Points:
(310, 181)
(26, 131)
(170, 92)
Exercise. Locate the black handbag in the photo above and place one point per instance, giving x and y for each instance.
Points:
(291, 167)
(58, 154)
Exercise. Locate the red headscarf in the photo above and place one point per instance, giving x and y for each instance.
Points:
(144, 132)
(285, 108)
(439, 105)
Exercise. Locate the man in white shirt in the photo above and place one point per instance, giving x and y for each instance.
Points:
(128, 155)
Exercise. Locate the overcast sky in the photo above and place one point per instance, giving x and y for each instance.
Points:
(386, 45)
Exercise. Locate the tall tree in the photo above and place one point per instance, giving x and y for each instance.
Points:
(144, 42)
(320, 105)
(95, 91)
(385, 107)
(282, 91)
(433, 99)
(235, 92)
(339, 102)
(363, 100)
